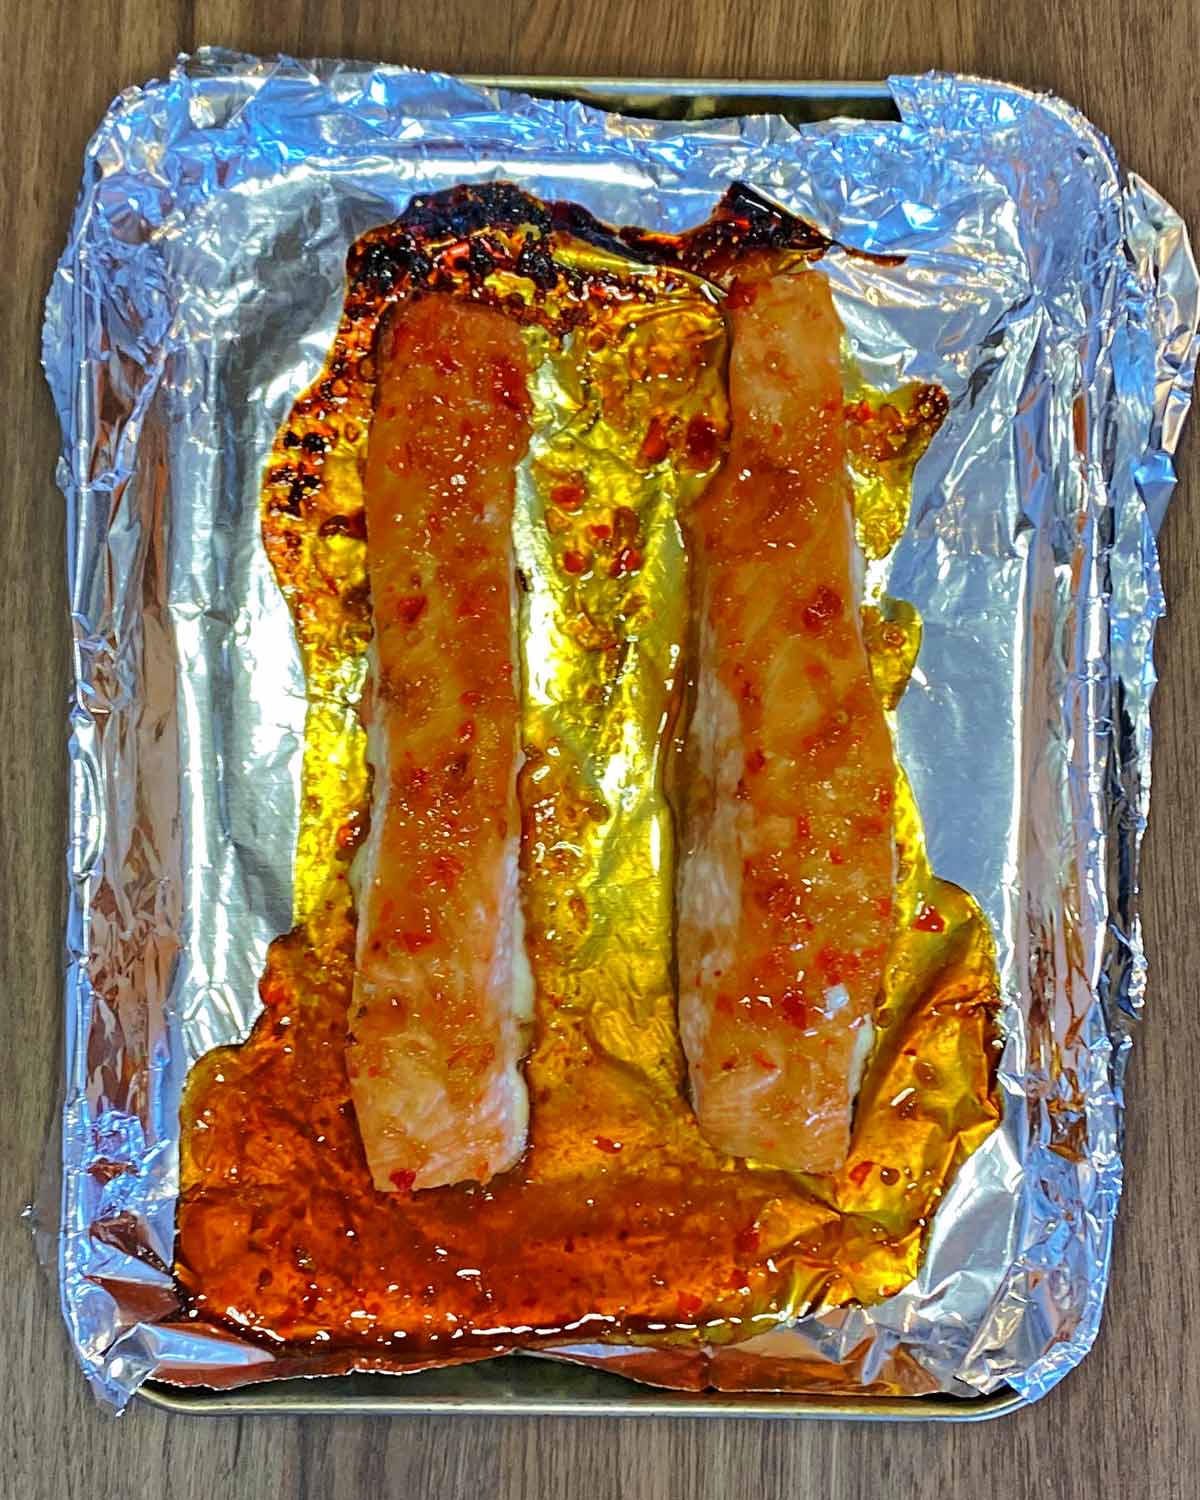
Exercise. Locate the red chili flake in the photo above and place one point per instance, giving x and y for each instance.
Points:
(702, 441)
(765, 1062)
(415, 941)
(349, 835)
(600, 532)
(929, 920)
(688, 1304)
(574, 562)
(628, 560)
(729, 1064)
(603, 1143)
(803, 827)
(273, 991)
(883, 906)
(755, 761)
(885, 796)
(470, 699)
(741, 294)
(836, 857)
(745, 1242)
(445, 363)
(402, 1181)
(824, 607)
(466, 731)
(860, 1172)
(794, 1008)
(411, 607)
(657, 443)
(567, 496)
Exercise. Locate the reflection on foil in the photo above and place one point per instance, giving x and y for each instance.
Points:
(1054, 301)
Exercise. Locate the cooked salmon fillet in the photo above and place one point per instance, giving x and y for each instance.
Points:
(442, 989)
(786, 839)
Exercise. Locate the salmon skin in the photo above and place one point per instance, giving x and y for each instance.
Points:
(442, 988)
(786, 778)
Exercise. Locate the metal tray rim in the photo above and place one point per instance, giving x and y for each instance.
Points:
(268, 1399)
(814, 89)
(764, 1406)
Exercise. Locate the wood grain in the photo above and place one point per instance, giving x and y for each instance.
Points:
(1128, 1421)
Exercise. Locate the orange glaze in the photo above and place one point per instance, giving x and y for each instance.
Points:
(620, 1222)
(787, 862)
(442, 986)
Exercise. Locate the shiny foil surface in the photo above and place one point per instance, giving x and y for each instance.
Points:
(216, 757)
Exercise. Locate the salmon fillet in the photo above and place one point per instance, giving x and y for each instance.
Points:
(786, 828)
(442, 989)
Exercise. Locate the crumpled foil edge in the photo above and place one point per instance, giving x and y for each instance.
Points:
(110, 324)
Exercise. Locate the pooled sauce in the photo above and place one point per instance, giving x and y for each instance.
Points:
(619, 1222)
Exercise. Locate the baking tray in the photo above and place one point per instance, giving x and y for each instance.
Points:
(526, 1384)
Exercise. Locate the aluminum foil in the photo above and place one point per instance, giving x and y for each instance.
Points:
(1053, 298)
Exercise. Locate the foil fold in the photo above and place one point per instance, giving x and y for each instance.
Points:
(1053, 298)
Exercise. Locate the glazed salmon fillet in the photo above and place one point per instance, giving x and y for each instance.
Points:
(787, 858)
(442, 988)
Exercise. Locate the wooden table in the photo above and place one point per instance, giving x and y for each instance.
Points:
(1127, 1423)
